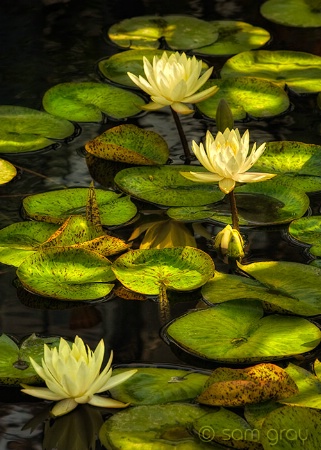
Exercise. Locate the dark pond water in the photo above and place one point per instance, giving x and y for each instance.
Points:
(51, 41)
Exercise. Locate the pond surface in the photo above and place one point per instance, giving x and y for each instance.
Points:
(50, 41)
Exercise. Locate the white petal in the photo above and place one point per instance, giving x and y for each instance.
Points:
(202, 177)
(105, 402)
(251, 177)
(180, 108)
(41, 392)
(63, 407)
(227, 185)
(200, 96)
(117, 379)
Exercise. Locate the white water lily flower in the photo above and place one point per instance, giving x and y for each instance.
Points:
(227, 159)
(72, 375)
(173, 81)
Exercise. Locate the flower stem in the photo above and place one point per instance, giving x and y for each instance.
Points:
(188, 156)
(235, 217)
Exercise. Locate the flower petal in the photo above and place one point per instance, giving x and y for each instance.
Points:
(105, 402)
(251, 177)
(63, 407)
(40, 392)
(227, 185)
(202, 177)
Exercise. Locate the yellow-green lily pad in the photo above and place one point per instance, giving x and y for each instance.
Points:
(130, 144)
(90, 101)
(7, 171)
(293, 13)
(300, 71)
(308, 231)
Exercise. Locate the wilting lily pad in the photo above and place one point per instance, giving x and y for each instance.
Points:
(130, 144)
(308, 231)
(57, 206)
(26, 130)
(67, 274)
(7, 171)
(155, 385)
(214, 333)
(234, 37)
(15, 366)
(165, 186)
(246, 96)
(89, 101)
(300, 71)
(276, 291)
(180, 32)
(163, 427)
(21, 239)
(293, 13)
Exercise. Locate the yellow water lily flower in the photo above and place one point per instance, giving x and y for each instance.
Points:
(72, 375)
(229, 242)
(173, 81)
(227, 159)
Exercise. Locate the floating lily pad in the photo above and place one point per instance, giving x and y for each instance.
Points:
(26, 130)
(180, 32)
(89, 101)
(165, 186)
(155, 385)
(7, 171)
(234, 37)
(308, 231)
(130, 144)
(300, 71)
(214, 333)
(246, 96)
(57, 206)
(22, 239)
(293, 13)
(67, 274)
(163, 427)
(15, 366)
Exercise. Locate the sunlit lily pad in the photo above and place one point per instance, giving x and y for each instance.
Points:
(90, 101)
(293, 13)
(25, 130)
(15, 366)
(67, 274)
(308, 231)
(234, 37)
(57, 206)
(246, 96)
(214, 334)
(262, 203)
(180, 32)
(165, 186)
(130, 144)
(163, 427)
(22, 239)
(155, 385)
(300, 71)
(7, 171)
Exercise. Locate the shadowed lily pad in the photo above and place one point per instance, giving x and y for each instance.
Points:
(308, 231)
(57, 206)
(7, 171)
(15, 366)
(130, 144)
(67, 274)
(214, 333)
(180, 32)
(234, 37)
(25, 130)
(300, 71)
(246, 96)
(165, 186)
(293, 13)
(89, 101)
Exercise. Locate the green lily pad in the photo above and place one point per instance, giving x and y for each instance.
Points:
(57, 206)
(234, 37)
(293, 13)
(89, 101)
(300, 71)
(291, 428)
(180, 32)
(155, 385)
(67, 274)
(22, 239)
(263, 203)
(214, 334)
(26, 130)
(130, 144)
(15, 366)
(163, 427)
(245, 96)
(308, 231)
(7, 171)
(164, 185)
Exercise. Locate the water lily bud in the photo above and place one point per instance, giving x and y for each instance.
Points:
(229, 243)
(224, 116)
